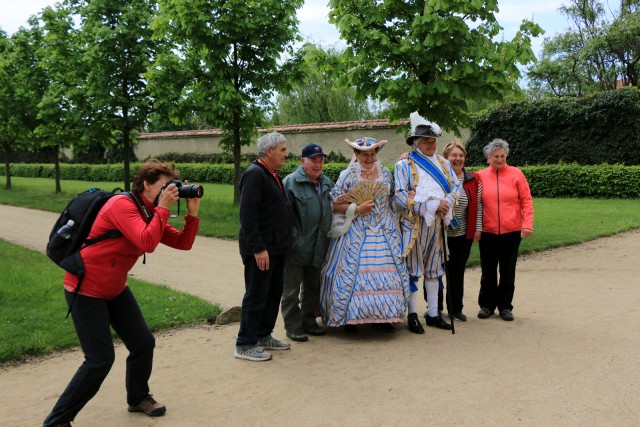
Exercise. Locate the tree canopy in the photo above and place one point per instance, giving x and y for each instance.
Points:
(431, 56)
(227, 61)
(599, 52)
(317, 97)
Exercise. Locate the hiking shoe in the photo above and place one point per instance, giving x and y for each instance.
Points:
(506, 315)
(315, 330)
(149, 406)
(297, 335)
(485, 313)
(270, 343)
(252, 352)
(460, 316)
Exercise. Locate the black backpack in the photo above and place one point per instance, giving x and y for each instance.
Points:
(64, 245)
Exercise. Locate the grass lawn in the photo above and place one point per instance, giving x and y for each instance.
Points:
(33, 306)
(219, 218)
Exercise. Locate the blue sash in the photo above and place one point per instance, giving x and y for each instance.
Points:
(432, 170)
(435, 173)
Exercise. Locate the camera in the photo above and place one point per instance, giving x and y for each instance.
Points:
(186, 191)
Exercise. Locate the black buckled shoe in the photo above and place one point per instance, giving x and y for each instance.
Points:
(438, 322)
(414, 324)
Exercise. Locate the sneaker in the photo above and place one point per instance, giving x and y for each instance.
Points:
(506, 315)
(149, 406)
(297, 335)
(485, 313)
(270, 343)
(252, 352)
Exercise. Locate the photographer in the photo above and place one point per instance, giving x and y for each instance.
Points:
(104, 300)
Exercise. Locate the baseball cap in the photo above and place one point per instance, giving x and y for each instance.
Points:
(312, 150)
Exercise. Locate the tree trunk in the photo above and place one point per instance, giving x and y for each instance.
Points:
(236, 159)
(7, 168)
(57, 169)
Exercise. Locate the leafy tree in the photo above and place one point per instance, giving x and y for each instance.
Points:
(316, 98)
(118, 50)
(429, 55)
(21, 87)
(61, 59)
(226, 64)
(593, 55)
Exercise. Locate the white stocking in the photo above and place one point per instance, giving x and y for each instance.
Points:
(432, 298)
(413, 302)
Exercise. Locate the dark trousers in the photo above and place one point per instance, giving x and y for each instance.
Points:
(459, 250)
(92, 318)
(301, 296)
(261, 302)
(498, 252)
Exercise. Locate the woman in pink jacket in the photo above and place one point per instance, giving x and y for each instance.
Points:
(507, 217)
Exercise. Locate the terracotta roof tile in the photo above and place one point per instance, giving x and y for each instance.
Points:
(311, 127)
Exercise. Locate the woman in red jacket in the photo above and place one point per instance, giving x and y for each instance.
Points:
(105, 301)
(507, 218)
(468, 213)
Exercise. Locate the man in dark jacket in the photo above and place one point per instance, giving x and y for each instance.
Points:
(265, 237)
(308, 189)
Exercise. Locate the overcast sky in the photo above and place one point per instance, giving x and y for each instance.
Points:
(314, 25)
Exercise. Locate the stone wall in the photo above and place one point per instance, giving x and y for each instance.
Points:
(330, 136)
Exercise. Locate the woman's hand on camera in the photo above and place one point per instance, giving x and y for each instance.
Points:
(193, 204)
(168, 196)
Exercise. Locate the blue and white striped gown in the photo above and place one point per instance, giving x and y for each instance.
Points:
(364, 278)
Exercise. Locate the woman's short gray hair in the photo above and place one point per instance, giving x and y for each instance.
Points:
(494, 145)
(269, 140)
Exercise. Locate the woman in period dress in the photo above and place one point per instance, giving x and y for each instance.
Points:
(364, 278)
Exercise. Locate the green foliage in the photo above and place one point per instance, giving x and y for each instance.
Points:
(602, 128)
(33, 306)
(317, 98)
(592, 55)
(431, 56)
(227, 60)
(561, 180)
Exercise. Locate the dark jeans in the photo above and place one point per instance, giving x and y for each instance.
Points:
(301, 296)
(92, 318)
(261, 302)
(498, 252)
(459, 250)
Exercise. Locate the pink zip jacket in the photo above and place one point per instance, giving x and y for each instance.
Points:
(507, 205)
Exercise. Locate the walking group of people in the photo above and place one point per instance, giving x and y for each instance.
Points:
(359, 251)
(354, 251)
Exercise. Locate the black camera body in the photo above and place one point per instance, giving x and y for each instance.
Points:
(186, 191)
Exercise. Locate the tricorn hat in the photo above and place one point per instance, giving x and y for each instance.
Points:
(365, 143)
(421, 127)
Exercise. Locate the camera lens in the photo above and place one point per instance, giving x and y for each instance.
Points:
(191, 191)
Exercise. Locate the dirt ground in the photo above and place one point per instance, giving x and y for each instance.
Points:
(569, 359)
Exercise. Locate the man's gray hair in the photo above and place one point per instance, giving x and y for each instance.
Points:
(269, 140)
(494, 145)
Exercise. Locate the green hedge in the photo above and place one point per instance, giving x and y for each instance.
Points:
(563, 180)
(602, 128)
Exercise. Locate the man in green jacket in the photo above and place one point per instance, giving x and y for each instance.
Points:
(308, 189)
